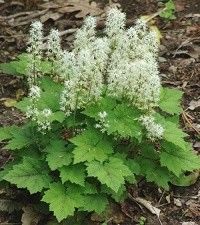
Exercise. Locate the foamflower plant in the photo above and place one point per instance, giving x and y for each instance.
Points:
(98, 118)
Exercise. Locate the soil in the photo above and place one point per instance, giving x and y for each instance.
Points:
(179, 66)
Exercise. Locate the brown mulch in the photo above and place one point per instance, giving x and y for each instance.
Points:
(179, 65)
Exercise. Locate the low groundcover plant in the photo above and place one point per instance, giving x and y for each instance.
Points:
(97, 118)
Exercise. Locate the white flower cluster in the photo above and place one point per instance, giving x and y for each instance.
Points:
(86, 34)
(35, 51)
(53, 45)
(54, 52)
(42, 118)
(133, 70)
(154, 130)
(124, 60)
(83, 69)
(115, 26)
(103, 122)
(123, 63)
(34, 92)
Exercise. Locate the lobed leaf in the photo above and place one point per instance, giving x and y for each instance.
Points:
(91, 145)
(170, 100)
(7, 132)
(96, 203)
(61, 201)
(58, 154)
(31, 174)
(73, 173)
(111, 173)
(123, 120)
(178, 160)
(154, 172)
(20, 137)
(172, 132)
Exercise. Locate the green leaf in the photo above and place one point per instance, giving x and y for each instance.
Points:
(170, 5)
(73, 173)
(186, 180)
(58, 154)
(106, 104)
(117, 196)
(50, 98)
(18, 67)
(170, 100)
(169, 11)
(91, 145)
(62, 202)
(20, 137)
(18, 141)
(112, 173)
(23, 104)
(89, 188)
(132, 165)
(154, 172)
(151, 168)
(172, 132)
(31, 174)
(178, 160)
(134, 168)
(6, 168)
(46, 82)
(97, 203)
(123, 120)
(57, 116)
(7, 132)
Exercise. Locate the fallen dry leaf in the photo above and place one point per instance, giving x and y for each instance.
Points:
(177, 202)
(30, 216)
(193, 209)
(9, 102)
(50, 15)
(148, 205)
(189, 223)
(168, 198)
(19, 94)
(81, 8)
(194, 104)
(9, 206)
(196, 144)
(180, 5)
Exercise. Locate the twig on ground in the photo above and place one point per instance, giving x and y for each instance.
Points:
(16, 15)
(186, 117)
(27, 19)
(161, 198)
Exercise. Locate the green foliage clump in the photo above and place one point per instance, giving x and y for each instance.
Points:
(81, 156)
(168, 12)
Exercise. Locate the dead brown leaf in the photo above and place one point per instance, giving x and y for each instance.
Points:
(180, 5)
(194, 104)
(81, 8)
(189, 223)
(193, 209)
(9, 206)
(177, 202)
(30, 216)
(50, 15)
